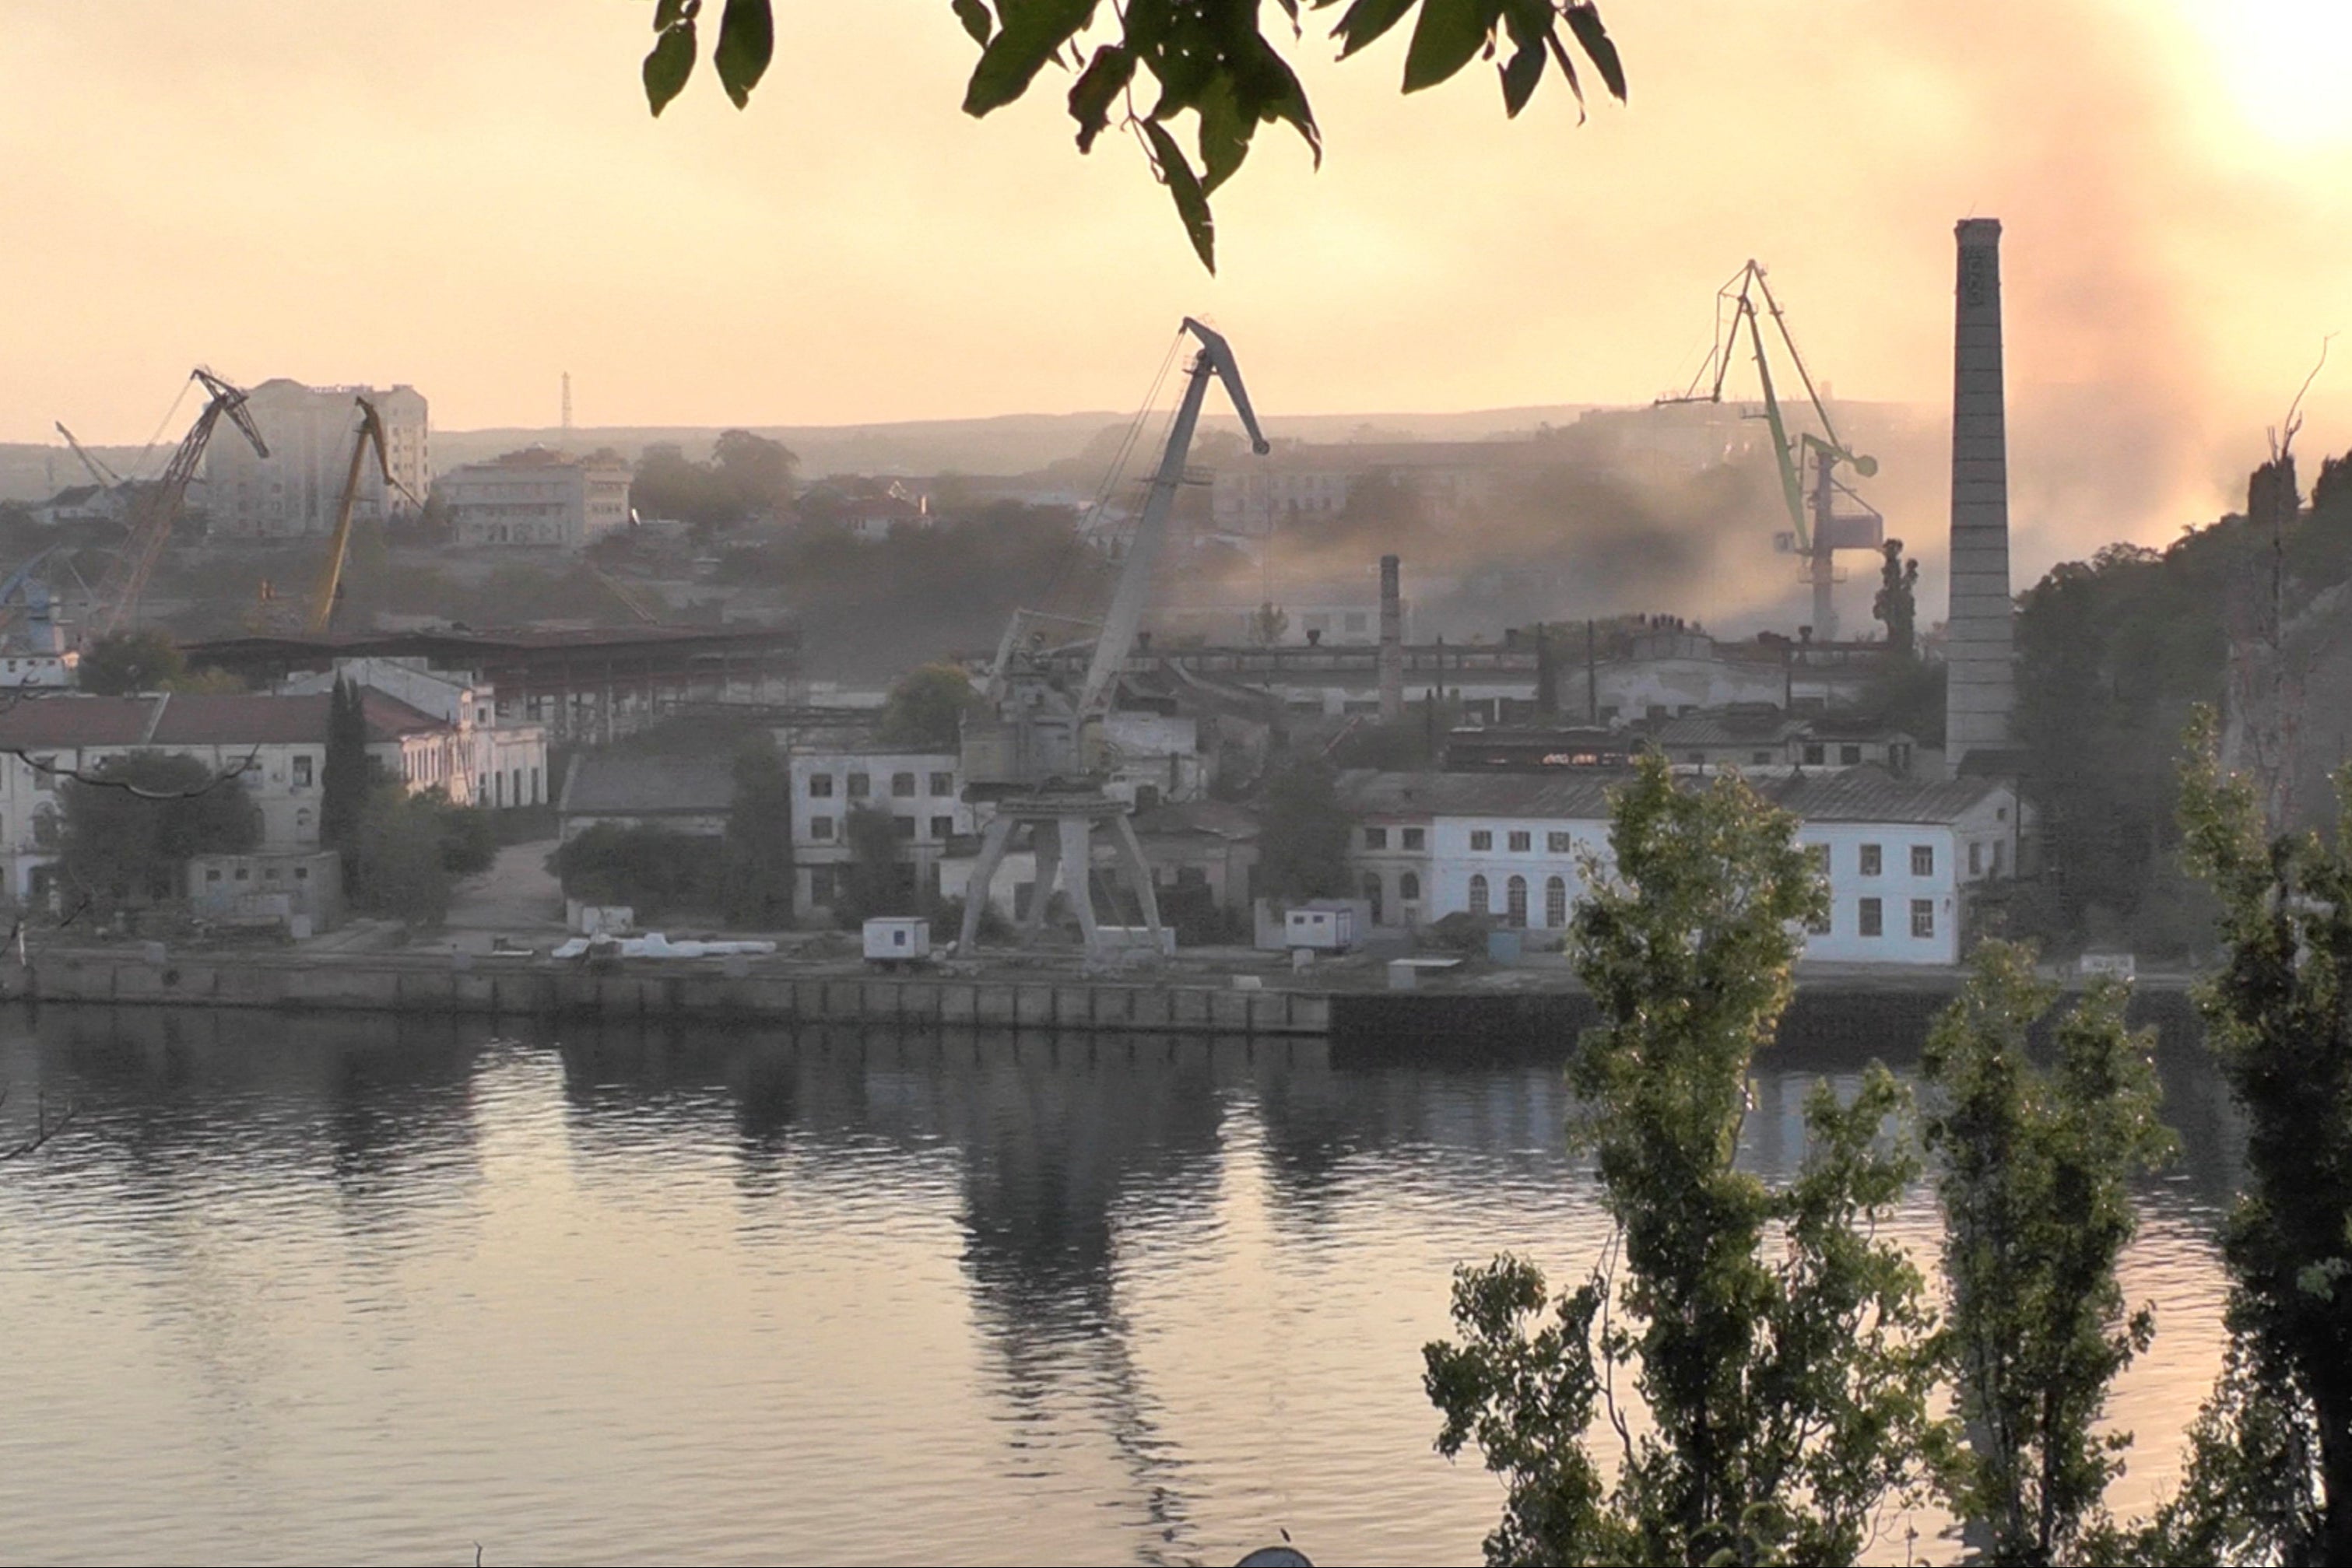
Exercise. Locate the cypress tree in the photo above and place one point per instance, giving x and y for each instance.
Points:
(343, 781)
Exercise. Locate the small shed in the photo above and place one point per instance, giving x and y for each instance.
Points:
(268, 889)
(1327, 926)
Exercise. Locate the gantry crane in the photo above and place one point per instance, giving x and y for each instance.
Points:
(1041, 756)
(157, 509)
(1816, 529)
(318, 610)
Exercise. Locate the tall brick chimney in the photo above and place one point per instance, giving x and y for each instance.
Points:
(1978, 637)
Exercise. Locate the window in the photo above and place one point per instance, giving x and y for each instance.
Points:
(1849, 755)
(1372, 895)
(820, 786)
(242, 874)
(1996, 848)
(1923, 917)
(944, 827)
(534, 786)
(1521, 841)
(1559, 843)
(212, 873)
(1816, 753)
(1478, 896)
(269, 873)
(1696, 759)
(1481, 839)
(1758, 759)
(1871, 863)
(1873, 918)
(1414, 838)
(860, 786)
(1409, 888)
(1556, 902)
(1923, 860)
(821, 884)
(820, 827)
(902, 786)
(301, 873)
(1515, 899)
(1976, 858)
(942, 783)
(517, 787)
(302, 772)
(906, 826)
(304, 820)
(499, 788)
(1376, 838)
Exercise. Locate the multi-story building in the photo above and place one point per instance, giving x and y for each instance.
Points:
(1902, 858)
(501, 760)
(921, 792)
(538, 498)
(295, 490)
(275, 746)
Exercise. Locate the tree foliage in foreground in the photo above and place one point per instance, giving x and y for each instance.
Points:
(1783, 1353)
(130, 826)
(2269, 1477)
(2034, 1176)
(1143, 65)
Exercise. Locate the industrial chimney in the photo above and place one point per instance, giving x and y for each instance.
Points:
(1391, 643)
(1981, 690)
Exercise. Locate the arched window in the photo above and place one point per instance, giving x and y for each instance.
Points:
(1556, 902)
(45, 827)
(1478, 894)
(1515, 893)
(305, 820)
(1409, 888)
(1372, 893)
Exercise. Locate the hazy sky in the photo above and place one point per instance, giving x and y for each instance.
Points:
(473, 199)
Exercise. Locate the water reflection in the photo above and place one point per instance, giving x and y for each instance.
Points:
(304, 1284)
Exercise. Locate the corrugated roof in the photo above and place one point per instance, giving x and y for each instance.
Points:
(1848, 795)
(604, 785)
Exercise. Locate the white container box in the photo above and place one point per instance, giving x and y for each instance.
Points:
(898, 939)
(1323, 927)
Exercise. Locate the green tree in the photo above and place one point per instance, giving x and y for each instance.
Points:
(2034, 1179)
(1303, 835)
(470, 839)
(1783, 1352)
(2270, 1463)
(876, 881)
(1267, 625)
(131, 824)
(126, 662)
(925, 711)
(345, 777)
(754, 472)
(398, 870)
(1210, 58)
(759, 853)
(653, 870)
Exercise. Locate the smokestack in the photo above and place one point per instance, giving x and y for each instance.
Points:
(1391, 643)
(1981, 690)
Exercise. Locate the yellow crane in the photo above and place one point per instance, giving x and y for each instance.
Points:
(318, 610)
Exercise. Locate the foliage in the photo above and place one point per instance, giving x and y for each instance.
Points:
(1211, 58)
(1267, 623)
(2034, 1180)
(748, 476)
(925, 711)
(1787, 1397)
(130, 826)
(1303, 835)
(2279, 1019)
(757, 868)
(121, 662)
(653, 870)
(397, 866)
(468, 837)
(1896, 604)
(344, 777)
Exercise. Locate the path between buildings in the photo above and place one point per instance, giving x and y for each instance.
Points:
(517, 895)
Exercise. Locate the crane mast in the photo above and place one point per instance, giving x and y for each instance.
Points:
(1041, 756)
(157, 509)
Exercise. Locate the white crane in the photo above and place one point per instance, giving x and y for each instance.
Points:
(1041, 758)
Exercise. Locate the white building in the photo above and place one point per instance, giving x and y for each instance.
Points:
(921, 792)
(538, 497)
(276, 746)
(499, 762)
(295, 491)
(1902, 857)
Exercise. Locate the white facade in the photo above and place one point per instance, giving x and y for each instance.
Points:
(923, 791)
(296, 490)
(538, 498)
(497, 762)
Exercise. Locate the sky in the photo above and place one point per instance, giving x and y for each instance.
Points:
(473, 199)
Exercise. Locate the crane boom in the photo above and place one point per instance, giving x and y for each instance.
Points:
(319, 612)
(107, 477)
(1216, 359)
(158, 508)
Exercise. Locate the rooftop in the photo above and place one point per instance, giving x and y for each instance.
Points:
(76, 719)
(604, 784)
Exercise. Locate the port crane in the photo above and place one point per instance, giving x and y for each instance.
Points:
(1040, 755)
(108, 479)
(157, 509)
(1811, 488)
(317, 614)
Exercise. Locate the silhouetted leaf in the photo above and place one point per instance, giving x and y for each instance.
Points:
(1584, 21)
(975, 19)
(668, 14)
(1521, 74)
(669, 66)
(1226, 135)
(1106, 75)
(1448, 35)
(1032, 31)
(1367, 20)
(746, 41)
(1567, 68)
(1192, 201)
